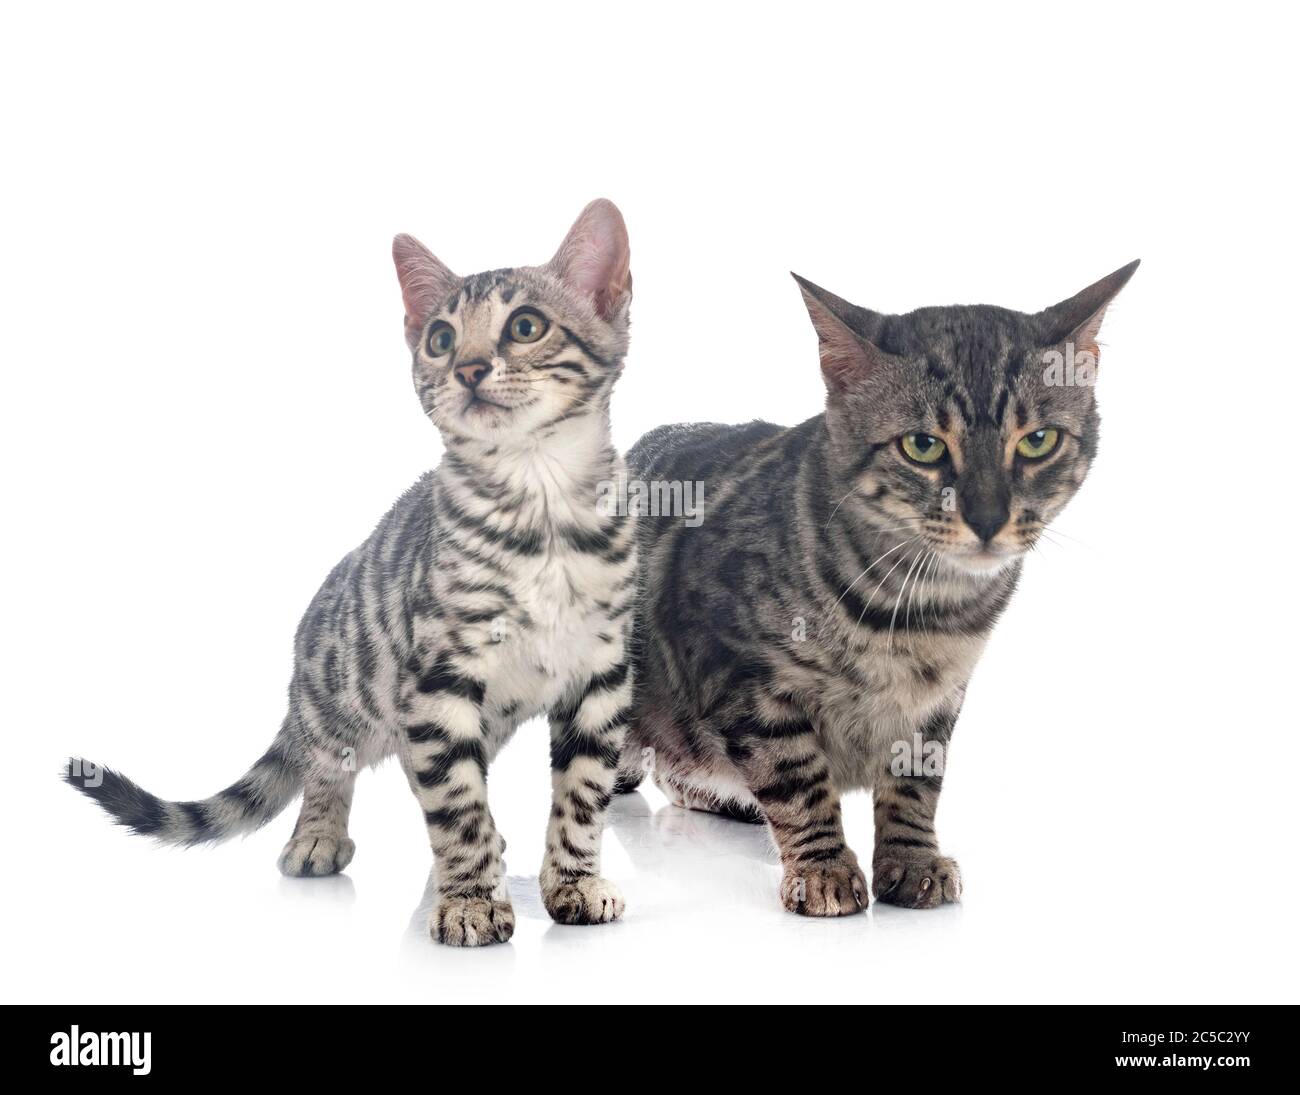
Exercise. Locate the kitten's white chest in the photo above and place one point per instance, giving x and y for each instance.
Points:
(564, 623)
(556, 631)
(549, 641)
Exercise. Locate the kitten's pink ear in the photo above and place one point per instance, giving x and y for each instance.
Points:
(426, 283)
(1078, 320)
(595, 258)
(847, 357)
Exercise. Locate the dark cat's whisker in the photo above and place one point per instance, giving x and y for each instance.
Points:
(1052, 533)
(871, 596)
(925, 578)
(901, 589)
(836, 510)
(872, 564)
(907, 620)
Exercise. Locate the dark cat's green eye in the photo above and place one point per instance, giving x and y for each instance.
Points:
(1036, 445)
(526, 325)
(921, 448)
(441, 339)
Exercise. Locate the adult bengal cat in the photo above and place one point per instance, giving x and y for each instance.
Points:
(816, 632)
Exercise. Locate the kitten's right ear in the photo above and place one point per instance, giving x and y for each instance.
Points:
(595, 258)
(847, 357)
(425, 282)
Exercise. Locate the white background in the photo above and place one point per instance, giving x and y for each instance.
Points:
(207, 402)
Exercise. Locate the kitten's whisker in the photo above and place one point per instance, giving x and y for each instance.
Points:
(602, 411)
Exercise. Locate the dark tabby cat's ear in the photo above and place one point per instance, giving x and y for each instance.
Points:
(425, 282)
(847, 355)
(1078, 320)
(595, 258)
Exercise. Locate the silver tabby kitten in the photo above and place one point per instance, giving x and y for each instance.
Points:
(494, 590)
(816, 632)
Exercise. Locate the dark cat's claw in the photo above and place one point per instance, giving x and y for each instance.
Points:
(916, 884)
(830, 889)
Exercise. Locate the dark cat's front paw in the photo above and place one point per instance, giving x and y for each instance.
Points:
(471, 921)
(916, 883)
(825, 889)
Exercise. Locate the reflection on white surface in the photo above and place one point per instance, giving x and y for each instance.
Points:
(1047, 916)
(687, 865)
(337, 889)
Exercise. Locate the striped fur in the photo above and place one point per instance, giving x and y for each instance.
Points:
(835, 598)
(496, 589)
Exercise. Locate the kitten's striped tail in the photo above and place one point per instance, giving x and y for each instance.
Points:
(249, 803)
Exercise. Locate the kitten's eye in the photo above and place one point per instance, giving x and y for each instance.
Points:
(1036, 445)
(922, 448)
(526, 326)
(441, 339)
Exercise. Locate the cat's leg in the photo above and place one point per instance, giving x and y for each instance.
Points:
(907, 868)
(320, 844)
(788, 773)
(446, 763)
(587, 734)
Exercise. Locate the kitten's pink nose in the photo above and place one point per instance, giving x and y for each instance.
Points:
(472, 373)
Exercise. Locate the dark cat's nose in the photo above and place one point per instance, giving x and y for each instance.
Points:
(986, 516)
(471, 374)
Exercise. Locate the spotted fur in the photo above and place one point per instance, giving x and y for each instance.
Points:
(836, 596)
(496, 589)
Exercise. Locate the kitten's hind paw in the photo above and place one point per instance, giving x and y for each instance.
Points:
(471, 921)
(585, 901)
(828, 889)
(315, 856)
(916, 883)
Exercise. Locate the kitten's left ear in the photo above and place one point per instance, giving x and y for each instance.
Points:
(1078, 320)
(426, 283)
(595, 258)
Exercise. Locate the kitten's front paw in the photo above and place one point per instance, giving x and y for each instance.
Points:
(584, 901)
(314, 856)
(471, 921)
(827, 889)
(916, 883)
